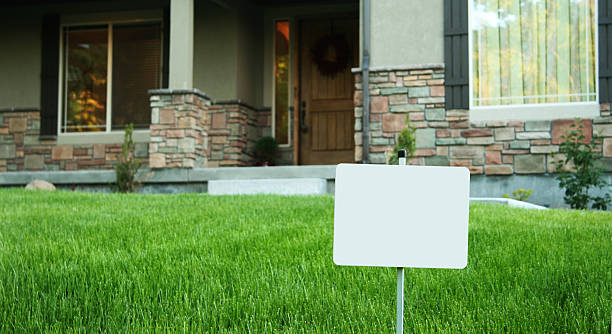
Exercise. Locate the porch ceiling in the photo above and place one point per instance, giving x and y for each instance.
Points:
(256, 2)
(40, 2)
(285, 2)
(49, 2)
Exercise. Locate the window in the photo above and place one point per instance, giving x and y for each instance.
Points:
(281, 82)
(107, 71)
(533, 52)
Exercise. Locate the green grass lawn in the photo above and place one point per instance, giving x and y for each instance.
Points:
(76, 262)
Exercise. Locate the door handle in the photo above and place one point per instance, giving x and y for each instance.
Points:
(303, 126)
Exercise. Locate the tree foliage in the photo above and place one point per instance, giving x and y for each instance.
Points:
(579, 173)
(128, 165)
(406, 140)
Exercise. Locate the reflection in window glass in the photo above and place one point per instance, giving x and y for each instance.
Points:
(533, 51)
(85, 67)
(136, 69)
(281, 82)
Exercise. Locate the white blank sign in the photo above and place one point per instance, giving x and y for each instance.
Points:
(401, 216)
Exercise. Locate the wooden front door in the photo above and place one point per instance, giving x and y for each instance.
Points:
(325, 110)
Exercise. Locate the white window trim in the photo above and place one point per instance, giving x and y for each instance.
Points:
(541, 111)
(113, 137)
(273, 75)
(108, 136)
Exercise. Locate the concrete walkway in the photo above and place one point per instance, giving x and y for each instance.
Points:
(508, 201)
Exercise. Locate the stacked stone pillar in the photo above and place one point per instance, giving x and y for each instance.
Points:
(232, 133)
(179, 118)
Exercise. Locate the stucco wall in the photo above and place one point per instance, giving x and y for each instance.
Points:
(223, 67)
(232, 48)
(250, 54)
(20, 62)
(406, 32)
(227, 52)
(215, 50)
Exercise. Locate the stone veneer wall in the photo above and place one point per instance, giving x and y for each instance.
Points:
(264, 122)
(264, 128)
(183, 122)
(178, 128)
(448, 138)
(233, 132)
(22, 148)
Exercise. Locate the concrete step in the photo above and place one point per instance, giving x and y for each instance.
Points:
(294, 186)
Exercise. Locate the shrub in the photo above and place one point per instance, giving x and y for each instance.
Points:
(406, 140)
(128, 165)
(520, 195)
(266, 149)
(577, 181)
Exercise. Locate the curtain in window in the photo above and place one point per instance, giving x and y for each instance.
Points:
(533, 51)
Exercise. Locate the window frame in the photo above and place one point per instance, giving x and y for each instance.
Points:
(538, 111)
(291, 78)
(108, 135)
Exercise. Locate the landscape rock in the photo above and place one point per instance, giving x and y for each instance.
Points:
(40, 185)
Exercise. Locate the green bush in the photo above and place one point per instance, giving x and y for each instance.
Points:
(406, 140)
(579, 173)
(266, 149)
(128, 165)
(520, 195)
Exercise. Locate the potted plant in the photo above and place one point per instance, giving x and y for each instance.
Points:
(266, 149)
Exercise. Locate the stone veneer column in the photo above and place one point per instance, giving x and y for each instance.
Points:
(181, 44)
(178, 122)
(232, 134)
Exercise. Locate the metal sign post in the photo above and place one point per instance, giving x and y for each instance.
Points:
(399, 316)
(371, 227)
(400, 301)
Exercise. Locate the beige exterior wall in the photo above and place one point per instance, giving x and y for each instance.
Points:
(406, 32)
(232, 48)
(227, 52)
(250, 54)
(19, 59)
(20, 56)
(214, 51)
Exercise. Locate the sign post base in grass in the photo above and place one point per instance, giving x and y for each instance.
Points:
(399, 313)
(401, 216)
(400, 301)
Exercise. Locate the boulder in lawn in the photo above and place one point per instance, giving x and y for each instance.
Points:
(40, 185)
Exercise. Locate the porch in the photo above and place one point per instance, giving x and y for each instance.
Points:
(228, 72)
(200, 80)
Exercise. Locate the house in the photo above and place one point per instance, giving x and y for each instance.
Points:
(489, 85)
